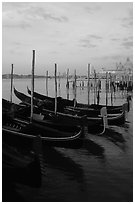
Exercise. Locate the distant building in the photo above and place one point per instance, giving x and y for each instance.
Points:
(128, 66)
(121, 70)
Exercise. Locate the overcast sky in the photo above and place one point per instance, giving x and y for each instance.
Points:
(69, 34)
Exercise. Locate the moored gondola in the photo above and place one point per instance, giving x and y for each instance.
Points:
(23, 132)
(93, 109)
(47, 117)
(114, 119)
(65, 102)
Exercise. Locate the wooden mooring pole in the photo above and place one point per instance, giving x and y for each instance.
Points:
(67, 85)
(89, 84)
(106, 88)
(111, 89)
(98, 90)
(32, 84)
(55, 89)
(95, 87)
(11, 83)
(47, 83)
(59, 84)
(75, 88)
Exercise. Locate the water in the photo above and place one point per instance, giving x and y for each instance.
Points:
(82, 174)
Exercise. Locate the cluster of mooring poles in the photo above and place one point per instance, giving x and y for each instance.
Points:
(110, 88)
(122, 86)
(93, 85)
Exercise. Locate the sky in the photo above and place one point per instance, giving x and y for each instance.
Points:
(70, 34)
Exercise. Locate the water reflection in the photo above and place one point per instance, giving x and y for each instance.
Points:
(57, 160)
(116, 138)
(126, 126)
(93, 148)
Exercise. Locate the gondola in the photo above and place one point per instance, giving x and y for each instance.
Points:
(24, 111)
(52, 134)
(95, 124)
(26, 99)
(93, 109)
(65, 102)
(50, 118)
(93, 121)
(15, 110)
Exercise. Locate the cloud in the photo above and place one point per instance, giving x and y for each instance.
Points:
(48, 16)
(39, 13)
(16, 24)
(92, 9)
(128, 44)
(85, 43)
(90, 41)
(23, 15)
(53, 52)
(95, 37)
(108, 57)
(115, 57)
(125, 39)
(11, 18)
(20, 44)
(115, 39)
(128, 21)
(32, 11)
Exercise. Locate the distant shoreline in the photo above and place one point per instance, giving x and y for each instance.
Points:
(17, 76)
(70, 77)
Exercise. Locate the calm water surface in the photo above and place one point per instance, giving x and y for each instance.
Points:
(83, 175)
